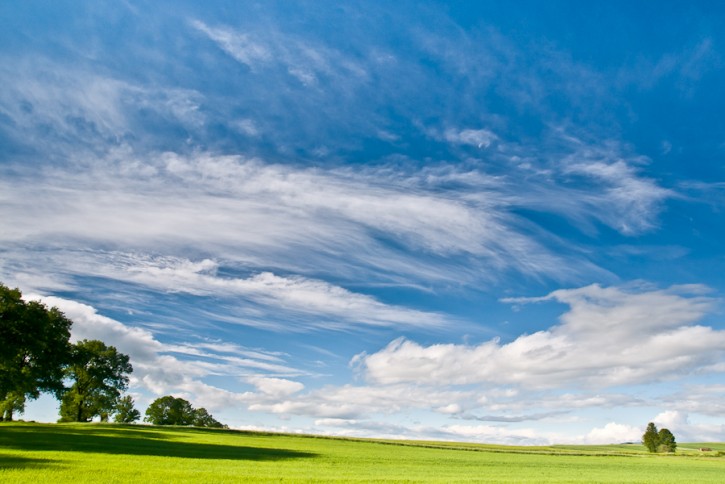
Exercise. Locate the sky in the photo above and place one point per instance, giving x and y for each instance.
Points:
(479, 221)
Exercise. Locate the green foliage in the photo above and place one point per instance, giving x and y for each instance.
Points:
(650, 438)
(125, 411)
(34, 348)
(170, 410)
(202, 418)
(99, 375)
(14, 403)
(666, 441)
(658, 441)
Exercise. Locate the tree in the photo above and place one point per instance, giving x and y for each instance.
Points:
(202, 418)
(650, 438)
(170, 410)
(658, 441)
(666, 441)
(34, 349)
(125, 411)
(14, 402)
(99, 375)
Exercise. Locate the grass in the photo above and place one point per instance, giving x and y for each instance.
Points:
(57, 453)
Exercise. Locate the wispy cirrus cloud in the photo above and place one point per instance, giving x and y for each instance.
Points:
(266, 215)
(302, 59)
(332, 306)
(180, 369)
(65, 112)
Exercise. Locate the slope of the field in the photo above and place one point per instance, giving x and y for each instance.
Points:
(36, 453)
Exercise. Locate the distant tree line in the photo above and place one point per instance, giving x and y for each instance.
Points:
(658, 440)
(36, 356)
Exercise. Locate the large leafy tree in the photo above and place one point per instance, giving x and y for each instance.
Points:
(99, 374)
(125, 411)
(34, 349)
(170, 410)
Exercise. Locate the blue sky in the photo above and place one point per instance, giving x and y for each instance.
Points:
(478, 221)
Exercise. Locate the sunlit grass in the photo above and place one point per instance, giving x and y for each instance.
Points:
(36, 453)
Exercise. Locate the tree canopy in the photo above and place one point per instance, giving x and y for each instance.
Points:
(125, 412)
(658, 441)
(34, 348)
(666, 441)
(170, 410)
(99, 374)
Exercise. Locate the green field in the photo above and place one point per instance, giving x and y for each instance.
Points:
(57, 453)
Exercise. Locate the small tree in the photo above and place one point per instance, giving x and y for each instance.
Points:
(125, 411)
(170, 410)
(202, 418)
(99, 375)
(650, 438)
(666, 441)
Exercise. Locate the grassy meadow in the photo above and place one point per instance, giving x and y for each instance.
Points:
(57, 453)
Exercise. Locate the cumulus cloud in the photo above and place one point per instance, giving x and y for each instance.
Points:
(609, 336)
(680, 424)
(276, 387)
(613, 433)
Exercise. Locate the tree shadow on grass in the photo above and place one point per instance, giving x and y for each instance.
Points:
(108, 440)
(17, 462)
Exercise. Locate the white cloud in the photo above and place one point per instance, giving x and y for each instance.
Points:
(609, 337)
(297, 294)
(68, 111)
(701, 399)
(679, 423)
(482, 138)
(451, 409)
(587, 181)
(351, 402)
(240, 46)
(303, 220)
(157, 370)
(626, 200)
(276, 387)
(303, 60)
(248, 127)
(613, 433)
